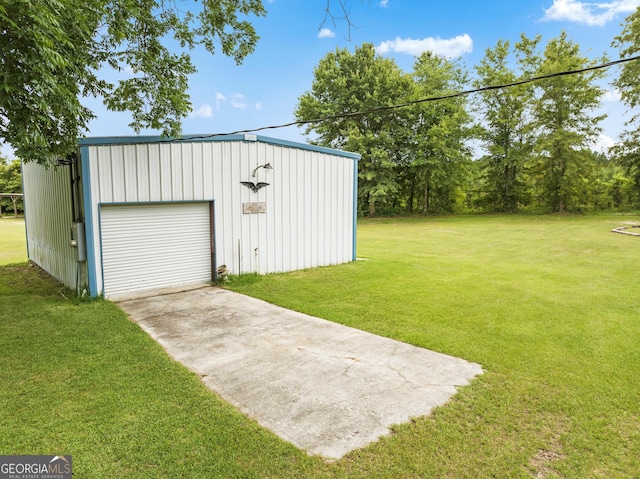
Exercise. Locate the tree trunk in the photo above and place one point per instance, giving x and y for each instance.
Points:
(425, 208)
(412, 193)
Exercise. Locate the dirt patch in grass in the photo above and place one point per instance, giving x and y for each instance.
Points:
(541, 465)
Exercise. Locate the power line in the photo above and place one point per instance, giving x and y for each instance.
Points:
(415, 102)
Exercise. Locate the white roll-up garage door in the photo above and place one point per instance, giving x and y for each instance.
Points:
(155, 246)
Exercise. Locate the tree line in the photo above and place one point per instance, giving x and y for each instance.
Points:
(10, 182)
(527, 147)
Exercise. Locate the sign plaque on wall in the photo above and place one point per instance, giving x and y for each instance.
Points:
(253, 208)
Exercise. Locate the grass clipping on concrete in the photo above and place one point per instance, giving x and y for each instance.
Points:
(548, 305)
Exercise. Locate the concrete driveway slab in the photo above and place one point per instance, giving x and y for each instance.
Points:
(324, 387)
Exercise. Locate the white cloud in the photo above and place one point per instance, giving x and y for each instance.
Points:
(326, 33)
(444, 47)
(589, 13)
(384, 3)
(239, 101)
(205, 111)
(612, 95)
(219, 99)
(603, 143)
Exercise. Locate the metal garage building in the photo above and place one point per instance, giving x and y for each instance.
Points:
(136, 213)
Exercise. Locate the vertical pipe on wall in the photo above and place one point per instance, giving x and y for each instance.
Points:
(74, 217)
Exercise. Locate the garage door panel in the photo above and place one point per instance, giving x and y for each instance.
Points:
(154, 246)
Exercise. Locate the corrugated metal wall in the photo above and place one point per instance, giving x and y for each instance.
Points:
(47, 200)
(309, 201)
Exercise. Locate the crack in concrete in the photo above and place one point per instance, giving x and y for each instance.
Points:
(321, 386)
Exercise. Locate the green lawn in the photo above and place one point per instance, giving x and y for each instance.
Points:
(547, 304)
(13, 246)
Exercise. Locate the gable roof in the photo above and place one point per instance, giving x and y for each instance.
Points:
(132, 140)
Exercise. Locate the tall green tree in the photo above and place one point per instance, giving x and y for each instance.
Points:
(627, 151)
(505, 130)
(10, 182)
(439, 155)
(611, 186)
(563, 113)
(345, 83)
(51, 53)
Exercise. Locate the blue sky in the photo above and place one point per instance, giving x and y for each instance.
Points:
(264, 90)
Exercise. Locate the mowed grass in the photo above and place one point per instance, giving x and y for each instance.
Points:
(548, 305)
(80, 378)
(13, 241)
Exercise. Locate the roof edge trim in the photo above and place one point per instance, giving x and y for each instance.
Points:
(134, 140)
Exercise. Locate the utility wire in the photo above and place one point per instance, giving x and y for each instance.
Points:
(415, 102)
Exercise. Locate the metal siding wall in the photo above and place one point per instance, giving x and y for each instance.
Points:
(48, 221)
(324, 226)
(198, 178)
(176, 171)
(309, 218)
(117, 171)
(271, 244)
(142, 186)
(300, 193)
(132, 178)
(314, 208)
(331, 213)
(103, 169)
(285, 236)
(154, 168)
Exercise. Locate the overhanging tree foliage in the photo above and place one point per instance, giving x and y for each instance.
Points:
(51, 53)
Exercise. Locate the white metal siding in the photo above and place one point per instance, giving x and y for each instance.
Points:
(154, 246)
(47, 198)
(309, 218)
